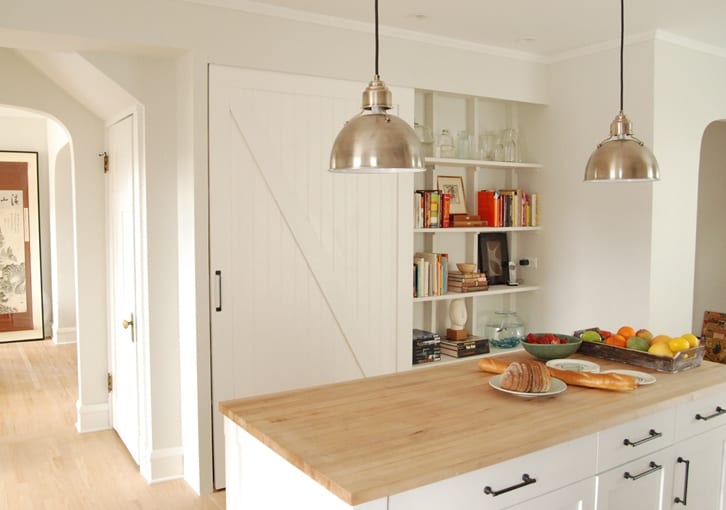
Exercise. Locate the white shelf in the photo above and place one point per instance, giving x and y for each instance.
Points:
(459, 230)
(503, 165)
(494, 290)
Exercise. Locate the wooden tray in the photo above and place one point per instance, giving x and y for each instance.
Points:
(681, 361)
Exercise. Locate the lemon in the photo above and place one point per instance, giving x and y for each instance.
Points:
(692, 340)
(678, 344)
(660, 349)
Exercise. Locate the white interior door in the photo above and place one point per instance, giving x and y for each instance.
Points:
(304, 263)
(121, 284)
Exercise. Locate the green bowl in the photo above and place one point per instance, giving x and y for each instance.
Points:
(547, 352)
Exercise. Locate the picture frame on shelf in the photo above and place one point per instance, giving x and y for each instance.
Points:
(494, 257)
(454, 186)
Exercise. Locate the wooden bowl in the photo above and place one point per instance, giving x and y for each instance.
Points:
(466, 267)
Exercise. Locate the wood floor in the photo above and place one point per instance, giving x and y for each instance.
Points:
(45, 464)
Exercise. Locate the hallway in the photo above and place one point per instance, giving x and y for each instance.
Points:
(45, 464)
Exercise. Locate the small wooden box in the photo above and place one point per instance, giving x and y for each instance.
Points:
(714, 336)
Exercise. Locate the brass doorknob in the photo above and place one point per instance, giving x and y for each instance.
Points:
(126, 323)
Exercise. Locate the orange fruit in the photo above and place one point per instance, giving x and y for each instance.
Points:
(617, 340)
(660, 339)
(626, 332)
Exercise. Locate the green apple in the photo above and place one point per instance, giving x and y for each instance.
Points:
(638, 343)
(591, 336)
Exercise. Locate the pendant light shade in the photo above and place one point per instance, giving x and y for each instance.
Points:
(376, 141)
(621, 157)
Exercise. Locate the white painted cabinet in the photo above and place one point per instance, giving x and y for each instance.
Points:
(578, 496)
(699, 472)
(531, 481)
(642, 484)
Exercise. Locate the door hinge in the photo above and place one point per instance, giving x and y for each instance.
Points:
(109, 382)
(104, 155)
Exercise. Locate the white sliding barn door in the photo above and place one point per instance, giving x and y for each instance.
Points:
(306, 280)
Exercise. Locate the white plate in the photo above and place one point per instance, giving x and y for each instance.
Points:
(576, 365)
(556, 386)
(641, 377)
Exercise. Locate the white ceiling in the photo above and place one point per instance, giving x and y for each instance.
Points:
(542, 28)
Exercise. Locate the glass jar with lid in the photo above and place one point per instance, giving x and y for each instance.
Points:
(504, 329)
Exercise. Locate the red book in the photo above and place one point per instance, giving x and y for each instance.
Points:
(445, 209)
(488, 207)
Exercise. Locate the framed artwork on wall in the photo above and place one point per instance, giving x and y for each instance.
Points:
(21, 303)
(494, 257)
(454, 186)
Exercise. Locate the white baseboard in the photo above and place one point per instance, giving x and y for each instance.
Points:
(163, 465)
(64, 335)
(92, 417)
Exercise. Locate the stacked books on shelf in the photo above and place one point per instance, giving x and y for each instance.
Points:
(426, 346)
(430, 274)
(468, 347)
(508, 208)
(466, 282)
(431, 209)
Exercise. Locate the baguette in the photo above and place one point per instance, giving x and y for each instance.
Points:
(614, 382)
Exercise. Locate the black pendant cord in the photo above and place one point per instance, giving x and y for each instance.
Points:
(622, 43)
(376, 14)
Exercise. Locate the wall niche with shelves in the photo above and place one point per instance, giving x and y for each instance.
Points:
(492, 154)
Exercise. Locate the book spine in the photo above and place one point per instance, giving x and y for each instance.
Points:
(445, 210)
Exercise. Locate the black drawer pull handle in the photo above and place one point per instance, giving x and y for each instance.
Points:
(684, 500)
(653, 468)
(652, 434)
(719, 411)
(526, 480)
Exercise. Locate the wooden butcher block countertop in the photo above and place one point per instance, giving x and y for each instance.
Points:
(374, 437)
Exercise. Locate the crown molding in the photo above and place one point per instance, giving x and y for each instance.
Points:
(366, 27)
(685, 42)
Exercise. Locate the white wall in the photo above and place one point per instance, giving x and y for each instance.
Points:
(710, 276)
(594, 248)
(29, 134)
(62, 253)
(24, 86)
(690, 93)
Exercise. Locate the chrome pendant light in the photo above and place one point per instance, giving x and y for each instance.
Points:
(621, 157)
(375, 141)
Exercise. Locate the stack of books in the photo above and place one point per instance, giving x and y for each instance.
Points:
(430, 274)
(466, 282)
(431, 209)
(468, 347)
(508, 208)
(426, 346)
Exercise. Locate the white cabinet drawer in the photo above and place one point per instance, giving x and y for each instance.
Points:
(551, 468)
(644, 483)
(628, 441)
(701, 415)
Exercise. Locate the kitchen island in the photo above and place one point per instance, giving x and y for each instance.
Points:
(383, 442)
